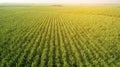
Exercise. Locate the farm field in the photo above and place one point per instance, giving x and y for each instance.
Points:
(59, 36)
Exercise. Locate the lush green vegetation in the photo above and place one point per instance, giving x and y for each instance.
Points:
(65, 36)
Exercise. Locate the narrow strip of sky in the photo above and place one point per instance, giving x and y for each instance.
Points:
(62, 1)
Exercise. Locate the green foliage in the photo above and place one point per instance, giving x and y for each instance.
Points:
(67, 36)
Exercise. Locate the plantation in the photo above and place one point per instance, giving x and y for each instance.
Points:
(65, 36)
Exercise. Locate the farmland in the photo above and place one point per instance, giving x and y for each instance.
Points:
(53, 36)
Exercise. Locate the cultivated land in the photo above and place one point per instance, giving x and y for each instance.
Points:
(62, 36)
